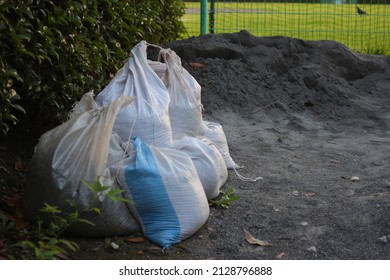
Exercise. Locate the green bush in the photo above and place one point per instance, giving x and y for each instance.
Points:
(52, 52)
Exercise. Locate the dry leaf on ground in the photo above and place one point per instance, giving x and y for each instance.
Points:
(256, 109)
(196, 65)
(309, 194)
(20, 166)
(351, 178)
(255, 241)
(20, 223)
(281, 255)
(62, 256)
(13, 201)
(135, 239)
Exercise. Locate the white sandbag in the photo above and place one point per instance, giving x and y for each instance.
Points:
(77, 150)
(85, 104)
(169, 201)
(209, 163)
(158, 67)
(214, 132)
(185, 108)
(148, 116)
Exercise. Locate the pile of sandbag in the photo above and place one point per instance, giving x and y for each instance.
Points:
(142, 134)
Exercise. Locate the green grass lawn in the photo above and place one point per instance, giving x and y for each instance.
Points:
(340, 22)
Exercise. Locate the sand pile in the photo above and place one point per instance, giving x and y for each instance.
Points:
(313, 119)
(247, 73)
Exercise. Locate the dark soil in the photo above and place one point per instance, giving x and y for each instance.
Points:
(312, 118)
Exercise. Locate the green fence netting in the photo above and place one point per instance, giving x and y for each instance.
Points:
(363, 26)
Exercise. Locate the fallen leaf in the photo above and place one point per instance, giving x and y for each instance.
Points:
(381, 193)
(281, 255)
(383, 239)
(256, 109)
(255, 241)
(312, 249)
(19, 212)
(196, 65)
(210, 229)
(309, 194)
(20, 223)
(14, 201)
(135, 239)
(295, 193)
(352, 178)
(154, 248)
(20, 166)
(62, 256)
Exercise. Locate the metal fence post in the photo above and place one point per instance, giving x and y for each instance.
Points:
(211, 16)
(203, 17)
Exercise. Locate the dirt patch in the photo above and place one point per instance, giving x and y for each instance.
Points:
(312, 118)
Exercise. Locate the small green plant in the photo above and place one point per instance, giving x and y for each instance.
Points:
(49, 248)
(59, 221)
(6, 226)
(114, 194)
(225, 199)
(46, 241)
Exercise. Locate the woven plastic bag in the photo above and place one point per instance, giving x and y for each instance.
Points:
(185, 108)
(148, 116)
(80, 149)
(209, 163)
(214, 132)
(168, 199)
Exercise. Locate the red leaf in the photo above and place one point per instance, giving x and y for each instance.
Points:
(135, 239)
(20, 223)
(196, 65)
(14, 201)
(20, 166)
